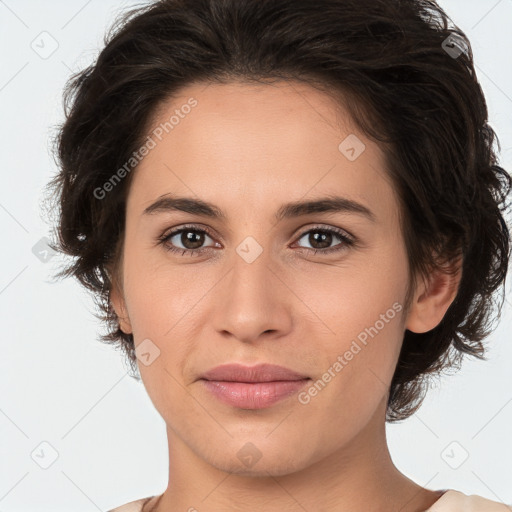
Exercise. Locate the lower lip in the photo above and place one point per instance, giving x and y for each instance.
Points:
(256, 395)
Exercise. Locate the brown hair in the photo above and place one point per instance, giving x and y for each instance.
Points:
(405, 73)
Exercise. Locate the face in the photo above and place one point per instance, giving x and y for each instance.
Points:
(319, 291)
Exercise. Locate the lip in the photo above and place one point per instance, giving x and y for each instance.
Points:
(252, 387)
(235, 372)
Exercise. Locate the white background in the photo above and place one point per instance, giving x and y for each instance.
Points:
(60, 385)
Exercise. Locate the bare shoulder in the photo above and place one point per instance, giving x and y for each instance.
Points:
(453, 501)
(133, 506)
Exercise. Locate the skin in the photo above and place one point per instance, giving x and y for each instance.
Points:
(248, 149)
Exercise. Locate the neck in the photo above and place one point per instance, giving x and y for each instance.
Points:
(359, 476)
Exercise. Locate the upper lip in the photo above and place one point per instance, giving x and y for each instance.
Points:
(258, 373)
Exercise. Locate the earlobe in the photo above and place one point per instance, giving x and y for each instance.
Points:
(118, 303)
(432, 299)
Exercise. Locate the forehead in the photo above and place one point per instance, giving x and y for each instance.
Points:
(253, 144)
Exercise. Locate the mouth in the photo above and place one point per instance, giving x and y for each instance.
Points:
(255, 387)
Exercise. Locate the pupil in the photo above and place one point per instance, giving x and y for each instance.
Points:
(187, 237)
(323, 237)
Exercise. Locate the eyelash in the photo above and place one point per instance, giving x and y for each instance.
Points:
(347, 241)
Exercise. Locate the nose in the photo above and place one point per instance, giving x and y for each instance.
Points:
(253, 301)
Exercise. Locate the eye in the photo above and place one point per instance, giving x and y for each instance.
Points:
(321, 239)
(192, 239)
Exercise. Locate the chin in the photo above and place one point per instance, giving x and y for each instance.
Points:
(259, 458)
(261, 468)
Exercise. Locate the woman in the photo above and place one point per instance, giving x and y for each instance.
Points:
(292, 213)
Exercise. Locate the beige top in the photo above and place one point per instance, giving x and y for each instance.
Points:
(450, 501)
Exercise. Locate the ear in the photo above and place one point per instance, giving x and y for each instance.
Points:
(119, 305)
(433, 297)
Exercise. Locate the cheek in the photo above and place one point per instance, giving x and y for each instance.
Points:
(358, 364)
(352, 301)
(159, 303)
(159, 294)
(363, 309)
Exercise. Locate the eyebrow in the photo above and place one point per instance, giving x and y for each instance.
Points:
(328, 204)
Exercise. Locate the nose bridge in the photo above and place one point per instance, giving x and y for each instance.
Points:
(252, 300)
(251, 272)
